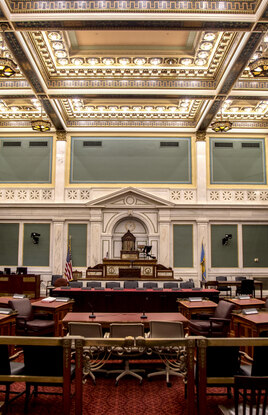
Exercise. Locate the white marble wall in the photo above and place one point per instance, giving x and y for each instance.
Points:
(156, 208)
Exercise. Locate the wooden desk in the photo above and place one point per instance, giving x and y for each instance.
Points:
(58, 310)
(251, 303)
(105, 319)
(250, 325)
(7, 324)
(108, 300)
(231, 283)
(188, 308)
(20, 284)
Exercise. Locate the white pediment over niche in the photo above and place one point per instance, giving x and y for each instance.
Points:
(130, 197)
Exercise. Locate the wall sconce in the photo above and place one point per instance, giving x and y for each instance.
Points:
(35, 237)
(225, 240)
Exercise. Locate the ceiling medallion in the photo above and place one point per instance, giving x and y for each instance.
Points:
(7, 67)
(41, 125)
(259, 67)
(221, 126)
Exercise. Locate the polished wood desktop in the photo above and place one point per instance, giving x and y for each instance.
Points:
(130, 300)
(230, 283)
(242, 303)
(28, 284)
(188, 308)
(105, 319)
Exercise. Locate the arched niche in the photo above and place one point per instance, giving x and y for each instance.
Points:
(135, 226)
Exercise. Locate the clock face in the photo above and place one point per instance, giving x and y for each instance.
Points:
(130, 226)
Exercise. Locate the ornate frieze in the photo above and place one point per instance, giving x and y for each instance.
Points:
(26, 195)
(237, 196)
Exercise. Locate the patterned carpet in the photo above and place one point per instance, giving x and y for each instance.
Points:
(128, 398)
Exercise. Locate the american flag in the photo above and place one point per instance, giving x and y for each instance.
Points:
(68, 266)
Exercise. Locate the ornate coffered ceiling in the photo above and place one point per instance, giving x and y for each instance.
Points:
(132, 64)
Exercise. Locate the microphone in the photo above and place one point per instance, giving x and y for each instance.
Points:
(143, 315)
(92, 315)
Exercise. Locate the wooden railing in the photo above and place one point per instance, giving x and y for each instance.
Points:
(192, 346)
(203, 381)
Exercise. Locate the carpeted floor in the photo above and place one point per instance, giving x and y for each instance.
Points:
(128, 398)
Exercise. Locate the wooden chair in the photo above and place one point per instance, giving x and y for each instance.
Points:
(9, 367)
(50, 366)
(253, 390)
(77, 274)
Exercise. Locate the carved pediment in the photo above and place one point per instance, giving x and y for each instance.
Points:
(130, 198)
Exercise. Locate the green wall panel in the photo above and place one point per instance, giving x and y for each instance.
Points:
(255, 245)
(128, 160)
(224, 256)
(241, 163)
(36, 254)
(25, 160)
(78, 232)
(9, 242)
(183, 246)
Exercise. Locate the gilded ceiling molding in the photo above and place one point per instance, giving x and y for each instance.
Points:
(61, 135)
(200, 136)
(127, 6)
(45, 25)
(132, 83)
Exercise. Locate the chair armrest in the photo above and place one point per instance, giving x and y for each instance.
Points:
(201, 316)
(14, 356)
(219, 320)
(245, 356)
(21, 320)
(43, 316)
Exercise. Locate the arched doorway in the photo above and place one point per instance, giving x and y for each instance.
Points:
(135, 226)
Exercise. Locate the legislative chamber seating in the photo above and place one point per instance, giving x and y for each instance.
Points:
(76, 284)
(247, 287)
(216, 325)
(27, 323)
(9, 367)
(112, 284)
(150, 285)
(125, 330)
(224, 288)
(171, 285)
(131, 284)
(93, 284)
(168, 329)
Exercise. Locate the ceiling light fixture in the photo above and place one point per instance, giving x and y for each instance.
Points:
(41, 125)
(259, 64)
(7, 66)
(221, 125)
(259, 67)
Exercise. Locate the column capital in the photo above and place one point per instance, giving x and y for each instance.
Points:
(61, 135)
(200, 135)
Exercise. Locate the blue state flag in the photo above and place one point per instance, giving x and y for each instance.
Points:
(203, 263)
